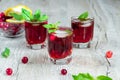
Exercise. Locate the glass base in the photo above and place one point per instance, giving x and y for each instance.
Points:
(81, 45)
(36, 46)
(62, 61)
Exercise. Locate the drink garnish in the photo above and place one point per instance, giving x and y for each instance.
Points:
(83, 16)
(87, 76)
(17, 16)
(36, 17)
(52, 27)
(6, 52)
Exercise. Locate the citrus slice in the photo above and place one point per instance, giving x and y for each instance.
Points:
(16, 9)
(14, 21)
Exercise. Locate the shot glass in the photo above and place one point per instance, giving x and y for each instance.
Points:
(11, 29)
(35, 34)
(82, 32)
(60, 45)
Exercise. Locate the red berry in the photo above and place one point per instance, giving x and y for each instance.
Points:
(24, 59)
(63, 71)
(9, 71)
(52, 37)
(2, 15)
(109, 54)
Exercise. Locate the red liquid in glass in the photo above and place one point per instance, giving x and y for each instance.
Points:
(59, 47)
(82, 32)
(35, 32)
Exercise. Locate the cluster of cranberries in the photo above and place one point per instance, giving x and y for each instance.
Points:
(3, 17)
(10, 28)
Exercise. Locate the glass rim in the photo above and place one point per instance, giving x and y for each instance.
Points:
(36, 21)
(76, 17)
(63, 28)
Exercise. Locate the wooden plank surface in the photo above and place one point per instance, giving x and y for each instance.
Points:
(92, 60)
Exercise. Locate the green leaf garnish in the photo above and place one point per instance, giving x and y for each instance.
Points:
(87, 76)
(17, 16)
(83, 76)
(83, 16)
(52, 27)
(37, 16)
(43, 18)
(6, 52)
(102, 77)
(26, 14)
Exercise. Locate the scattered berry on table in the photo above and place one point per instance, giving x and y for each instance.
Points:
(9, 71)
(63, 71)
(109, 54)
(24, 60)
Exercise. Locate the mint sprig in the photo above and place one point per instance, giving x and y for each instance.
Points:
(52, 27)
(28, 16)
(6, 52)
(83, 16)
(87, 76)
(37, 16)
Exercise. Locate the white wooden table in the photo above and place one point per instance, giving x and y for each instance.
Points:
(92, 60)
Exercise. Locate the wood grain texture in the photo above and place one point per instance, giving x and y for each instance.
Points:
(92, 60)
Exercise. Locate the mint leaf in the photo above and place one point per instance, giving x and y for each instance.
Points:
(102, 77)
(17, 16)
(6, 52)
(36, 16)
(83, 76)
(83, 16)
(51, 30)
(43, 18)
(52, 27)
(26, 14)
(87, 76)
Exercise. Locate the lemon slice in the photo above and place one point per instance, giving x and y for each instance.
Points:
(16, 9)
(14, 21)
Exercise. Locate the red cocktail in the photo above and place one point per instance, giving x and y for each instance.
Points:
(60, 45)
(82, 31)
(35, 34)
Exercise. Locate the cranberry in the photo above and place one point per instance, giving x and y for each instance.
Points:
(52, 37)
(2, 15)
(109, 54)
(9, 71)
(24, 59)
(63, 71)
